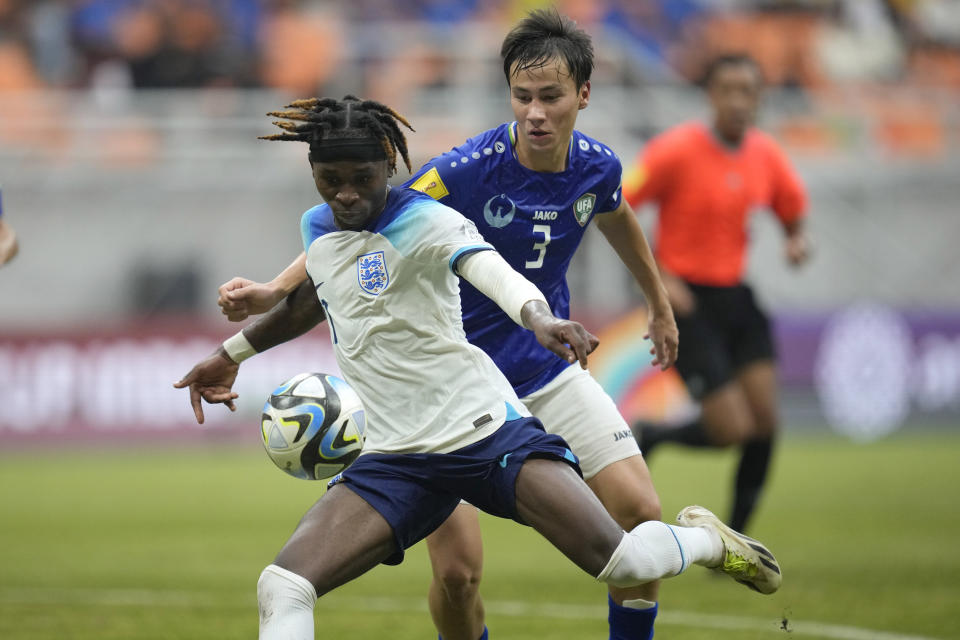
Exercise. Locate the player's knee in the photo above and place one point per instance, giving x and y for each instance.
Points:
(459, 582)
(637, 509)
(733, 430)
(648, 510)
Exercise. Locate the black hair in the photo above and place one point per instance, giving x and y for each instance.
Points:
(318, 120)
(728, 60)
(544, 35)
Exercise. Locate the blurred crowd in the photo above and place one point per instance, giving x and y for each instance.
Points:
(299, 45)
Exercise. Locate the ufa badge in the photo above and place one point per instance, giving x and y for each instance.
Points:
(583, 207)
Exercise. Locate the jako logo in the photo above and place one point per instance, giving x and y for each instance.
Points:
(545, 215)
(493, 211)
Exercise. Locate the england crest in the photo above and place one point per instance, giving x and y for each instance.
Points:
(372, 272)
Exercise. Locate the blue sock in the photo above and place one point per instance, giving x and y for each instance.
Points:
(630, 624)
(484, 636)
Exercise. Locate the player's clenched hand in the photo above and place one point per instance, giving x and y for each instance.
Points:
(566, 338)
(240, 298)
(211, 379)
(662, 333)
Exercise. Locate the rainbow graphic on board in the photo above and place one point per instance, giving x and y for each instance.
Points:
(621, 364)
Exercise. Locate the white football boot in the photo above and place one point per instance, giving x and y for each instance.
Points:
(744, 559)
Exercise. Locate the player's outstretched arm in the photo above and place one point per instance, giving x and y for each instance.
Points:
(623, 232)
(212, 378)
(240, 298)
(524, 303)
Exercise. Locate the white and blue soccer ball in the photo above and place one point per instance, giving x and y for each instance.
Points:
(313, 426)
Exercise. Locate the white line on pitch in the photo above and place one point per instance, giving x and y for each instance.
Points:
(105, 597)
(670, 617)
(512, 608)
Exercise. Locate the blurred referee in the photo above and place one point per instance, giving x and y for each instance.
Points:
(706, 179)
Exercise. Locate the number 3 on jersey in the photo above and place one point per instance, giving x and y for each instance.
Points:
(539, 247)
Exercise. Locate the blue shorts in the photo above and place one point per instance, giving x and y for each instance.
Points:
(417, 492)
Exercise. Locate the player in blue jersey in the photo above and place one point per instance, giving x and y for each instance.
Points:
(8, 239)
(532, 187)
(382, 270)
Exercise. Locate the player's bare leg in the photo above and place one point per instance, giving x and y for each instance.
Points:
(358, 538)
(615, 472)
(726, 415)
(340, 538)
(627, 493)
(456, 555)
(624, 488)
(553, 500)
(758, 380)
(725, 419)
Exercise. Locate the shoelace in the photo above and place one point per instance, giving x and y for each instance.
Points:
(736, 563)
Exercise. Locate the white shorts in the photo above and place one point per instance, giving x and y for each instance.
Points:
(575, 407)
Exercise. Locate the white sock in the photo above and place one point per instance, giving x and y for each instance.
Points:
(655, 550)
(286, 605)
(701, 545)
(647, 553)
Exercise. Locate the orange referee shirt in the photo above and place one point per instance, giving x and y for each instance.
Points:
(705, 192)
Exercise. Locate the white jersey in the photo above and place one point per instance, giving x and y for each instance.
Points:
(393, 309)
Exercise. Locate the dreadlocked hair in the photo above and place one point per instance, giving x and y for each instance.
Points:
(312, 120)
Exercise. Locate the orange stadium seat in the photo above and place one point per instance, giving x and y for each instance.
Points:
(782, 42)
(300, 51)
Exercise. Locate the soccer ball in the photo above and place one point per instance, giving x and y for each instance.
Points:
(313, 425)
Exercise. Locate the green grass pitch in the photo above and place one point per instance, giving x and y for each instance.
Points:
(157, 544)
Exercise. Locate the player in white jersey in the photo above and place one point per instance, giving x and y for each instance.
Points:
(462, 397)
(533, 187)
(383, 268)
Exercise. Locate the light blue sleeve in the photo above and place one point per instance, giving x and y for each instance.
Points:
(316, 222)
(305, 234)
(429, 231)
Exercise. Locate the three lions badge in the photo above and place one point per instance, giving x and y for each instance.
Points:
(372, 272)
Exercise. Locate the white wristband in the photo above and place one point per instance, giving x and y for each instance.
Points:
(238, 347)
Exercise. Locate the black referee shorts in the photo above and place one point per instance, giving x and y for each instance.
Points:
(726, 331)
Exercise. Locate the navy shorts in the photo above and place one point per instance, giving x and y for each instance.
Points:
(726, 332)
(417, 492)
